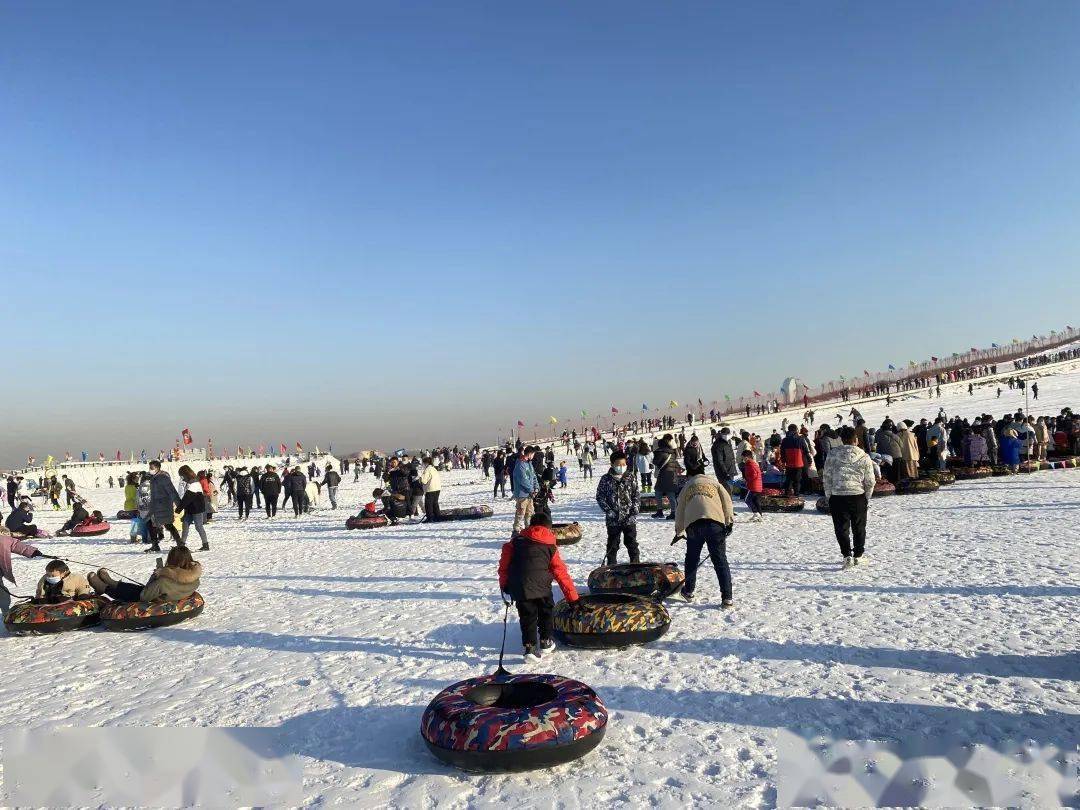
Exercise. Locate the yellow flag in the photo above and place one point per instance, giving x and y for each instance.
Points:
(554, 421)
(673, 404)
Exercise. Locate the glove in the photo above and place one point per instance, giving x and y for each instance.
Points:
(37, 553)
(678, 537)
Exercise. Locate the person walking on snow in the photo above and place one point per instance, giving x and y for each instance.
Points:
(332, 480)
(849, 481)
(618, 496)
(527, 566)
(704, 516)
(432, 483)
(523, 487)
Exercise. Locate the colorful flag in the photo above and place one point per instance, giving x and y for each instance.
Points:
(520, 423)
(727, 397)
(934, 359)
(583, 413)
(614, 409)
(100, 456)
(673, 404)
(994, 346)
(892, 367)
(283, 449)
(758, 393)
(865, 373)
(84, 455)
(299, 447)
(49, 460)
(644, 407)
(553, 420)
(118, 455)
(974, 349)
(187, 435)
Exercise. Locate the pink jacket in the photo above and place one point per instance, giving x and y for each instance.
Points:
(8, 545)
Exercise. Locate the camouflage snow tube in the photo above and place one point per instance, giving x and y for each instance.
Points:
(916, 486)
(30, 618)
(781, 503)
(649, 503)
(972, 473)
(943, 477)
(143, 615)
(822, 504)
(127, 514)
(513, 722)
(658, 580)
(359, 522)
(1001, 469)
(92, 530)
(466, 513)
(883, 488)
(610, 620)
(566, 534)
(1029, 466)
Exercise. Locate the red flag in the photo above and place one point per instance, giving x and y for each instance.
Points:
(520, 423)
(934, 359)
(757, 393)
(187, 435)
(614, 409)
(299, 447)
(117, 455)
(865, 372)
(974, 349)
(284, 449)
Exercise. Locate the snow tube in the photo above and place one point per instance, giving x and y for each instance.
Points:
(142, 615)
(30, 618)
(1029, 466)
(648, 502)
(658, 580)
(822, 504)
(610, 620)
(943, 477)
(1001, 469)
(972, 473)
(916, 486)
(781, 503)
(883, 487)
(566, 534)
(358, 522)
(92, 530)
(466, 513)
(769, 491)
(513, 722)
(127, 514)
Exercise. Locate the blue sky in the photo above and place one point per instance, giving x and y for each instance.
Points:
(375, 224)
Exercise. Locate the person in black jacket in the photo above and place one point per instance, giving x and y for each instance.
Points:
(21, 519)
(245, 491)
(193, 505)
(296, 486)
(332, 481)
(256, 485)
(270, 484)
(723, 459)
(78, 515)
(498, 468)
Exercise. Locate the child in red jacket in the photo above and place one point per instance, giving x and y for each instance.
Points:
(752, 476)
(527, 567)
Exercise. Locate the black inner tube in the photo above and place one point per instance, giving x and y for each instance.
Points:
(521, 695)
(609, 599)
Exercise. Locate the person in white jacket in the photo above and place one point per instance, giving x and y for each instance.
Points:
(849, 481)
(432, 483)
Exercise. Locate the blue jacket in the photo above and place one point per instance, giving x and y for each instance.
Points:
(1010, 450)
(524, 483)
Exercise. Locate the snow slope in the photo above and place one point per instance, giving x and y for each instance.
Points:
(964, 622)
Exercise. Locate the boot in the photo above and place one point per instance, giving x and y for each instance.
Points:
(204, 547)
(154, 549)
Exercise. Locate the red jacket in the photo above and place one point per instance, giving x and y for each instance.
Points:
(752, 476)
(791, 448)
(556, 568)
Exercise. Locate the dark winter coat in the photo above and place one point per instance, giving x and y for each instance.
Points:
(245, 485)
(694, 458)
(163, 498)
(18, 519)
(194, 500)
(332, 479)
(530, 562)
(723, 459)
(270, 484)
(618, 497)
(666, 467)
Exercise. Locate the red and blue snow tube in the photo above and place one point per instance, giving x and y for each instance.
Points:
(513, 722)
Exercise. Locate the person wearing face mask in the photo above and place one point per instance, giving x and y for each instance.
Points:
(60, 585)
(617, 494)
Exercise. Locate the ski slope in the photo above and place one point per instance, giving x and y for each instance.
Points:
(964, 622)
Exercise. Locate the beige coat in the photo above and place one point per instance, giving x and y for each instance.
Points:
(703, 498)
(909, 452)
(71, 586)
(172, 584)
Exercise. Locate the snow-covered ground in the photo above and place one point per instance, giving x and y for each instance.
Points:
(964, 623)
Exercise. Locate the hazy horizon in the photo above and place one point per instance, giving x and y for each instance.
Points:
(384, 226)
